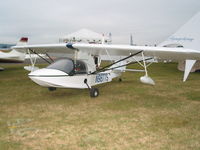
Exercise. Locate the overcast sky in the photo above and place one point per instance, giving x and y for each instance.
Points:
(44, 21)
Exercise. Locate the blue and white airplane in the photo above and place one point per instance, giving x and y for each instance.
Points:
(12, 55)
(8, 55)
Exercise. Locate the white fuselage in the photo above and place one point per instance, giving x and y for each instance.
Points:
(56, 78)
(12, 56)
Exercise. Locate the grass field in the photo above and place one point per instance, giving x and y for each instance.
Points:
(127, 115)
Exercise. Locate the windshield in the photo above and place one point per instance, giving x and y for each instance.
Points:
(66, 65)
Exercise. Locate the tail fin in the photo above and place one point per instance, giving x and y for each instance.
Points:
(22, 41)
(14, 55)
(188, 36)
(20, 55)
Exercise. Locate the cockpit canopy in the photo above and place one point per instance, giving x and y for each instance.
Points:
(69, 66)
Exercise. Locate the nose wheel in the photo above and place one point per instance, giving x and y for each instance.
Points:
(94, 92)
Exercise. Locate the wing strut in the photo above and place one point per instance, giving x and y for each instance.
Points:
(146, 79)
(34, 59)
(49, 57)
(127, 65)
(106, 67)
(41, 56)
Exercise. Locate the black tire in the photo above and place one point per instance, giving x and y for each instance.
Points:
(52, 88)
(94, 92)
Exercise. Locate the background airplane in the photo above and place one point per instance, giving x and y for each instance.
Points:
(9, 55)
(4, 47)
(12, 55)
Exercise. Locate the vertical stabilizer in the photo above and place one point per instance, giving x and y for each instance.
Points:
(16, 55)
(22, 41)
(188, 36)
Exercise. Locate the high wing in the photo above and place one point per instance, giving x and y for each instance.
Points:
(125, 50)
(115, 50)
(45, 48)
(168, 53)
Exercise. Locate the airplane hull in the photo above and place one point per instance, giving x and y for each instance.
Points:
(76, 82)
(59, 79)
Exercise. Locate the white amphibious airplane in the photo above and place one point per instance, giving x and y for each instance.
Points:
(83, 71)
(12, 55)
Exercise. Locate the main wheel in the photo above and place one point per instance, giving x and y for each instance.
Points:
(94, 92)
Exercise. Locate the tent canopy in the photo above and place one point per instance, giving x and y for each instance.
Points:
(85, 36)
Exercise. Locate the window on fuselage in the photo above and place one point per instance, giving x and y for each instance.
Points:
(80, 67)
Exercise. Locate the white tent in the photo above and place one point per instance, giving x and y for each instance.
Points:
(85, 36)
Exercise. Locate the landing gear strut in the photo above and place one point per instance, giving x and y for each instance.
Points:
(94, 92)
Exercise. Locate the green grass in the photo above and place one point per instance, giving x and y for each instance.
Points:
(127, 115)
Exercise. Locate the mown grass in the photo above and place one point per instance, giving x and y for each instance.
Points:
(126, 115)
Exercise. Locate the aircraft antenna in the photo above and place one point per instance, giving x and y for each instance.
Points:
(131, 39)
